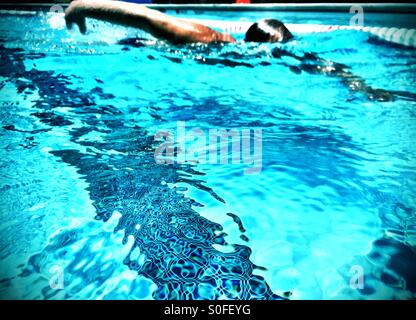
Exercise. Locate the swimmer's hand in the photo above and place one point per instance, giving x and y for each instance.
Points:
(74, 15)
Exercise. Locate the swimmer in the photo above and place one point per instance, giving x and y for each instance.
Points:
(180, 31)
(166, 27)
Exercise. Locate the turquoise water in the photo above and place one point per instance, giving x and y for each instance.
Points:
(82, 196)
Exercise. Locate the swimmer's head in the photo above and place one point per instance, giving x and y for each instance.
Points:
(268, 30)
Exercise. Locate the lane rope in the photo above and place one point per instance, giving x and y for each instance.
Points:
(402, 36)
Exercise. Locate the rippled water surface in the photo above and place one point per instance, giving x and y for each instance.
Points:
(81, 194)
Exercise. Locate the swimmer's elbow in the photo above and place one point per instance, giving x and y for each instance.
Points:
(217, 37)
(227, 38)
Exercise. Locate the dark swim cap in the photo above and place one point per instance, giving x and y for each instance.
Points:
(268, 30)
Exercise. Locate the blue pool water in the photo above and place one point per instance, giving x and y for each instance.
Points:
(83, 200)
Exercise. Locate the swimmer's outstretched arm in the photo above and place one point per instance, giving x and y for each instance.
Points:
(154, 22)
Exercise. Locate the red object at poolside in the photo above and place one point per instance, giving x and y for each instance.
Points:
(242, 1)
